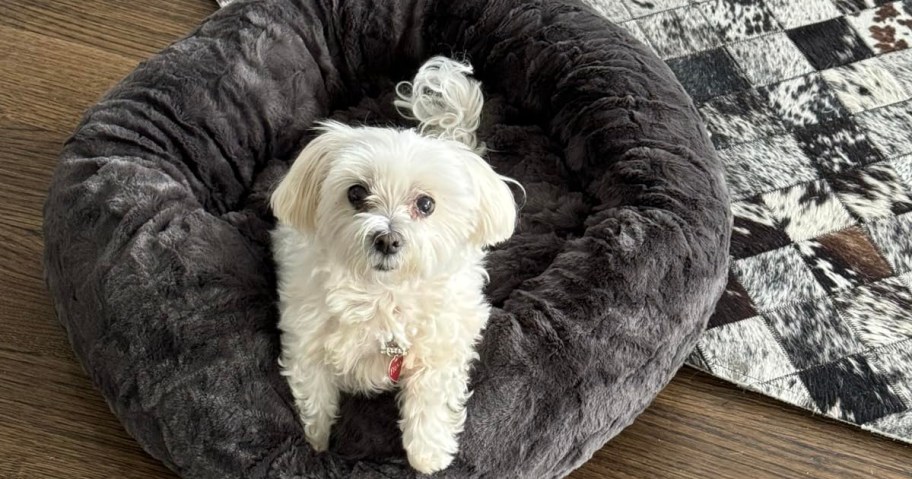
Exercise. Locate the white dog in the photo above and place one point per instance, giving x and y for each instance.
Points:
(380, 249)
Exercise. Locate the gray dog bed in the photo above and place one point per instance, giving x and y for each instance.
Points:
(157, 232)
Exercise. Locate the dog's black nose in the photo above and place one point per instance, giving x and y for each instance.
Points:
(388, 243)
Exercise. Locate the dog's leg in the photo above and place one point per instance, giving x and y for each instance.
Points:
(316, 396)
(432, 405)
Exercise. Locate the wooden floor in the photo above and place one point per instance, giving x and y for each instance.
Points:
(56, 58)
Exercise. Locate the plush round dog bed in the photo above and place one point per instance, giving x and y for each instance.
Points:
(157, 231)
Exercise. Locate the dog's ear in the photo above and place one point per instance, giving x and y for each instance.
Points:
(497, 209)
(294, 201)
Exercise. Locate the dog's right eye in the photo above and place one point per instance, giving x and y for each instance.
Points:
(356, 195)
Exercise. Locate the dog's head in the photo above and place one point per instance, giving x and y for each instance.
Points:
(414, 201)
(393, 200)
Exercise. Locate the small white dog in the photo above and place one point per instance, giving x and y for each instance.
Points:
(380, 248)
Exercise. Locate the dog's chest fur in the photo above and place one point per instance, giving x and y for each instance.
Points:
(345, 321)
(364, 318)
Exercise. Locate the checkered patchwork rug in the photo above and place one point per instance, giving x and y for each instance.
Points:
(809, 103)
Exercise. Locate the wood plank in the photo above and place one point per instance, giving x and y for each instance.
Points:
(126, 27)
(48, 83)
(27, 157)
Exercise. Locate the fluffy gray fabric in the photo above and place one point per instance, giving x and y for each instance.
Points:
(158, 247)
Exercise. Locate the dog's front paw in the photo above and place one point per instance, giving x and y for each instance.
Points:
(317, 437)
(428, 460)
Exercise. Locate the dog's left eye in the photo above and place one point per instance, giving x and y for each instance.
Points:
(425, 204)
(356, 195)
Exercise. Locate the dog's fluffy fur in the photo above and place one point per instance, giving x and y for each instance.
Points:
(342, 300)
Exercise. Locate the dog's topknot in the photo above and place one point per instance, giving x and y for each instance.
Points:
(444, 100)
